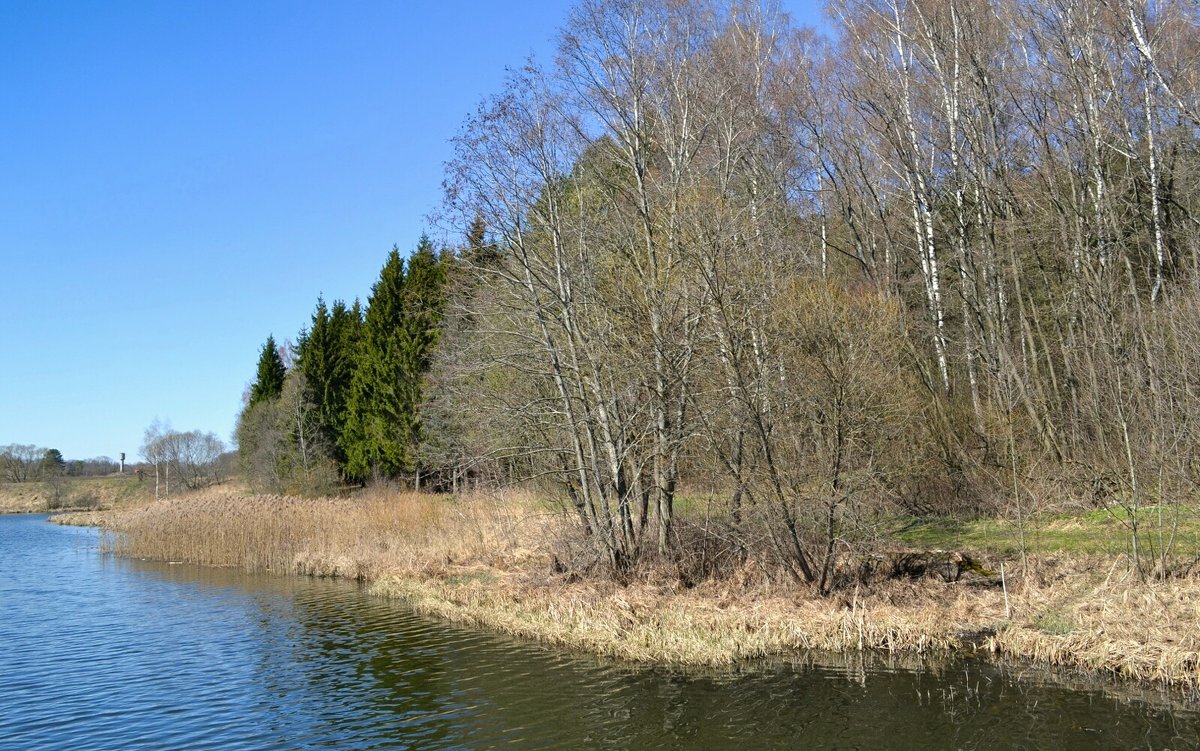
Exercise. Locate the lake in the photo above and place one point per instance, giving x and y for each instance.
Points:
(98, 652)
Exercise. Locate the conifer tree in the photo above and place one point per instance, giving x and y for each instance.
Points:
(423, 308)
(326, 356)
(480, 253)
(269, 382)
(376, 418)
(401, 326)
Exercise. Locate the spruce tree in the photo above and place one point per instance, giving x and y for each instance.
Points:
(53, 463)
(269, 382)
(423, 308)
(480, 253)
(423, 304)
(376, 419)
(326, 356)
(404, 312)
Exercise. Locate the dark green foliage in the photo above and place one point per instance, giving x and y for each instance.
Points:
(404, 312)
(271, 372)
(424, 302)
(326, 356)
(53, 462)
(424, 307)
(353, 400)
(373, 438)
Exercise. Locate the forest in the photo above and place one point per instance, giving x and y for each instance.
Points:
(938, 260)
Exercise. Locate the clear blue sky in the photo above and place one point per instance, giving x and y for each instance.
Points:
(180, 179)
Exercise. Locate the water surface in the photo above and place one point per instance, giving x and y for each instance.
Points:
(103, 653)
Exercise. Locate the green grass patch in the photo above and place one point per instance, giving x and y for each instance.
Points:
(700, 506)
(1055, 623)
(1095, 531)
(480, 577)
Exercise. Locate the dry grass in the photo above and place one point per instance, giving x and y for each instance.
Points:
(38, 497)
(1105, 620)
(359, 537)
(1120, 628)
(486, 561)
(656, 623)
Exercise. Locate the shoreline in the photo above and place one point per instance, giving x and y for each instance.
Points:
(477, 562)
(640, 623)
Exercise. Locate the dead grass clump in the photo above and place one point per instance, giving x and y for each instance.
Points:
(1107, 621)
(1058, 616)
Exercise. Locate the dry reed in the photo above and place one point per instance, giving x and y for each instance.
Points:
(359, 537)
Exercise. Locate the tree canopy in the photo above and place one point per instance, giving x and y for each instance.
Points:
(268, 382)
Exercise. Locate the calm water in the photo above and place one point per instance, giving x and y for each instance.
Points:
(102, 653)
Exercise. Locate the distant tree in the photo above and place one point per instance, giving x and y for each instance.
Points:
(153, 452)
(21, 462)
(99, 465)
(269, 382)
(191, 457)
(194, 454)
(53, 462)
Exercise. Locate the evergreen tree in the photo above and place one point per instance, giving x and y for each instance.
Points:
(326, 356)
(53, 463)
(424, 306)
(376, 419)
(404, 312)
(271, 372)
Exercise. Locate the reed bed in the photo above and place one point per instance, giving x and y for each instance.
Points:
(649, 623)
(360, 537)
(488, 561)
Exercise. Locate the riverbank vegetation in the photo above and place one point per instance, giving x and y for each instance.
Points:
(498, 562)
(38, 480)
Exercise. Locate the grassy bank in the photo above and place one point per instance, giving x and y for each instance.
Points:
(492, 562)
(73, 493)
(1092, 532)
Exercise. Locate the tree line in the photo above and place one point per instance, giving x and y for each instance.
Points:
(348, 407)
(24, 462)
(942, 260)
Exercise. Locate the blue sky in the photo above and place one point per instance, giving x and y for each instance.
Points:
(180, 179)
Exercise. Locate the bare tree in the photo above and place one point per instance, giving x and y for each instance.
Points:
(191, 456)
(21, 462)
(700, 215)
